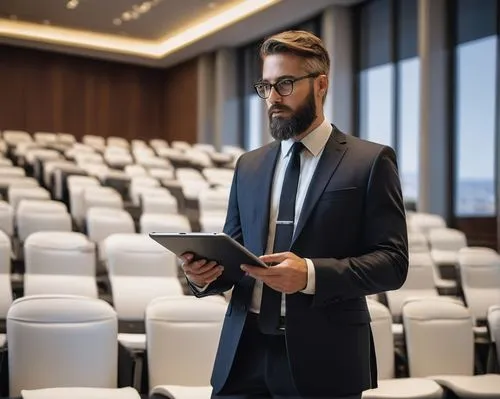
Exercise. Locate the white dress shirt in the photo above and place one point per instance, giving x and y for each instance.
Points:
(314, 144)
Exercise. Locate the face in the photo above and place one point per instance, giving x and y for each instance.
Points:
(292, 115)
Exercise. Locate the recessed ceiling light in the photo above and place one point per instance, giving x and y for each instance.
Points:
(126, 16)
(72, 4)
(145, 7)
(212, 4)
(117, 21)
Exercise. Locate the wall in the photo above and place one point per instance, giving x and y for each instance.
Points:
(43, 91)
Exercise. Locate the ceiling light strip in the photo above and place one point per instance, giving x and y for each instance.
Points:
(144, 48)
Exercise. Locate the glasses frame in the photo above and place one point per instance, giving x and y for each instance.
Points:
(275, 84)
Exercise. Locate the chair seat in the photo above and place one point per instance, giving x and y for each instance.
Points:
(405, 388)
(183, 392)
(134, 342)
(474, 386)
(81, 393)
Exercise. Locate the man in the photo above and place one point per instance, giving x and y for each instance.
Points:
(328, 213)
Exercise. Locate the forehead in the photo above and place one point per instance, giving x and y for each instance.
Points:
(277, 65)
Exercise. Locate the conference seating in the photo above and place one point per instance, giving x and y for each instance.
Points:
(175, 325)
(389, 386)
(80, 393)
(140, 270)
(440, 346)
(493, 320)
(59, 263)
(5, 283)
(61, 341)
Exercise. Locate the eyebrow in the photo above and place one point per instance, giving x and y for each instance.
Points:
(282, 77)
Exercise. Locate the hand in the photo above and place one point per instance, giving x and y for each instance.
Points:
(288, 276)
(200, 272)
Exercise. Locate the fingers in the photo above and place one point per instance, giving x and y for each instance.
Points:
(275, 258)
(201, 271)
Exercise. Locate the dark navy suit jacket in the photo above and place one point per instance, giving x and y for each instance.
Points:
(352, 226)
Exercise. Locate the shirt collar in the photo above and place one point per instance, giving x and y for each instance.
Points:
(315, 141)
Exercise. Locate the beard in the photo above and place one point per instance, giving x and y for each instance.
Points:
(284, 128)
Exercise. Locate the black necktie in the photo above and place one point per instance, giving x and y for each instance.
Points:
(270, 308)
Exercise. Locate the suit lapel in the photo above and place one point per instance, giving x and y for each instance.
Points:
(262, 194)
(333, 153)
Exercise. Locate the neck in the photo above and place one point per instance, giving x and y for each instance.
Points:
(318, 121)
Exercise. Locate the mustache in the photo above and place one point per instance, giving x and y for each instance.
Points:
(278, 107)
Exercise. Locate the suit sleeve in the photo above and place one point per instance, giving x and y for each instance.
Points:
(232, 227)
(383, 264)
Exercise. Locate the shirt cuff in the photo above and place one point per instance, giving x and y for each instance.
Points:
(311, 278)
(197, 287)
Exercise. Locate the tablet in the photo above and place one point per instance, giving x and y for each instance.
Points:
(212, 246)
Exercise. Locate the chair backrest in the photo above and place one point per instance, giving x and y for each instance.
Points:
(419, 282)
(138, 255)
(425, 221)
(439, 337)
(381, 325)
(446, 239)
(61, 341)
(494, 328)
(176, 323)
(59, 253)
(154, 222)
(417, 242)
(480, 277)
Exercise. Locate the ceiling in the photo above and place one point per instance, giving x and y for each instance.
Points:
(151, 32)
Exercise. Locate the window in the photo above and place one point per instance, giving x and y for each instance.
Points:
(408, 97)
(376, 73)
(475, 108)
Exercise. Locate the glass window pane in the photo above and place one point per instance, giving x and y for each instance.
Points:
(408, 126)
(475, 117)
(376, 104)
(255, 121)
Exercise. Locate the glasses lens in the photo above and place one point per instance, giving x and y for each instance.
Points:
(262, 90)
(285, 87)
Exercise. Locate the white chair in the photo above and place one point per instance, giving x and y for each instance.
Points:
(135, 170)
(161, 173)
(102, 222)
(5, 280)
(493, 318)
(12, 137)
(445, 244)
(417, 242)
(101, 197)
(6, 218)
(480, 277)
(45, 138)
(76, 187)
(440, 346)
(419, 283)
(140, 270)
(96, 142)
(388, 385)
(174, 324)
(165, 223)
(59, 263)
(80, 393)
(180, 145)
(35, 216)
(424, 222)
(66, 138)
(137, 183)
(116, 141)
(157, 200)
(61, 341)
(12, 171)
(219, 176)
(16, 194)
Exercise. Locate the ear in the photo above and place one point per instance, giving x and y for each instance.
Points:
(322, 84)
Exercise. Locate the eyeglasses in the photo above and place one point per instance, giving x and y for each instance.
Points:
(284, 87)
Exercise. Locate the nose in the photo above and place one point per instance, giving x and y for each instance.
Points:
(274, 96)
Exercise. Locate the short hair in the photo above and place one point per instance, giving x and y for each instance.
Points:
(302, 44)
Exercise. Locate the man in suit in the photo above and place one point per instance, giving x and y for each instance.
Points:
(328, 214)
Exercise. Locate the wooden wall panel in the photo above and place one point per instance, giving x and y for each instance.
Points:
(44, 91)
(181, 104)
(479, 231)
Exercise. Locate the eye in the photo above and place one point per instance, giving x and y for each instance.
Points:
(285, 83)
